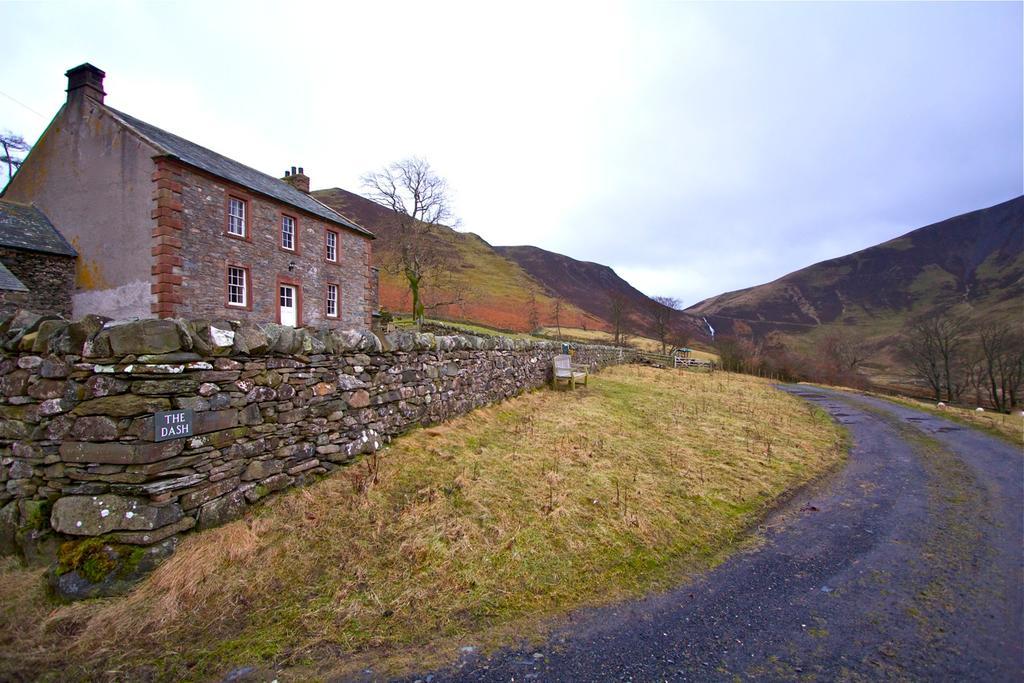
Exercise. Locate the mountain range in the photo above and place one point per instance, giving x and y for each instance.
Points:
(972, 264)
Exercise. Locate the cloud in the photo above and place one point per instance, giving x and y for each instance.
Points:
(695, 148)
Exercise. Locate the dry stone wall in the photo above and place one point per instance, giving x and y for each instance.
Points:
(272, 407)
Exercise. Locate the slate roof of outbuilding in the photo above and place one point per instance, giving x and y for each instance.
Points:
(26, 227)
(9, 282)
(229, 169)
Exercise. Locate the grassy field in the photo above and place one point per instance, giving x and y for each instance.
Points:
(477, 532)
(1009, 427)
(602, 337)
(495, 290)
(406, 322)
(568, 333)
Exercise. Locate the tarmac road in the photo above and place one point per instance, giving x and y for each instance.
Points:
(908, 564)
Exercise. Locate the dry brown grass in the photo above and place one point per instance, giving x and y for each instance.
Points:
(476, 529)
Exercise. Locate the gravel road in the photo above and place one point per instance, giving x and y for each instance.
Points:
(907, 564)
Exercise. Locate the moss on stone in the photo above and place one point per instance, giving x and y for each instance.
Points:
(130, 556)
(89, 557)
(95, 558)
(36, 514)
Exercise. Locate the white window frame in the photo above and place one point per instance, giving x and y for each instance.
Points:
(287, 220)
(332, 289)
(332, 249)
(242, 286)
(236, 221)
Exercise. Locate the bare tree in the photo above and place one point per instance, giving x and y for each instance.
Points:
(533, 314)
(934, 349)
(662, 308)
(617, 306)
(736, 354)
(12, 144)
(420, 201)
(556, 311)
(1002, 362)
(839, 357)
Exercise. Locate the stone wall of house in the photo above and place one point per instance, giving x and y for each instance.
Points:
(50, 279)
(272, 407)
(206, 250)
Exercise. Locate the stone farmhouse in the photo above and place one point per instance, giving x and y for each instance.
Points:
(163, 227)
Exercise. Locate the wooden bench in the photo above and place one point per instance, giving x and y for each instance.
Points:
(564, 370)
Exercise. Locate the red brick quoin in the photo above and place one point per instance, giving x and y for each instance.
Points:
(166, 270)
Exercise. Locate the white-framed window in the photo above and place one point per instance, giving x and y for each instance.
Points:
(238, 286)
(332, 245)
(288, 233)
(236, 217)
(332, 301)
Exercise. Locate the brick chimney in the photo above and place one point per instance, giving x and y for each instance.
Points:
(86, 80)
(297, 179)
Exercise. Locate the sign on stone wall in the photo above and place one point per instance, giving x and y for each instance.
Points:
(172, 424)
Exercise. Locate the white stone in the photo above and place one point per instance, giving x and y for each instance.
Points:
(221, 337)
(104, 513)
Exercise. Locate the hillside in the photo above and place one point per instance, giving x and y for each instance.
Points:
(497, 291)
(590, 286)
(972, 263)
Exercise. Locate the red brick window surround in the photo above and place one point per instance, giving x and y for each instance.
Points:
(237, 217)
(331, 309)
(289, 233)
(331, 244)
(239, 287)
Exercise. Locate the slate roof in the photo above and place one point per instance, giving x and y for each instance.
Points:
(229, 169)
(26, 227)
(9, 282)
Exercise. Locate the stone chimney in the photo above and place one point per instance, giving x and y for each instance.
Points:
(86, 80)
(297, 179)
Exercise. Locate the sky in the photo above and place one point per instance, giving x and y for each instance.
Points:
(695, 148)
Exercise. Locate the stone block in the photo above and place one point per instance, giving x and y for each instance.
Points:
(156, 535)
(291, 416)
(141, 337)
(104, 385)
(222, 510)
(94, 428)
(160, 486)
(104, 513)
(124, 405)
(14, 383)
(178, 385)
(136, 453)
(219, 439)
(303, 466)
(277, 482)
(203, 495)
(55, 406)
(359, 399)
(53, 368)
